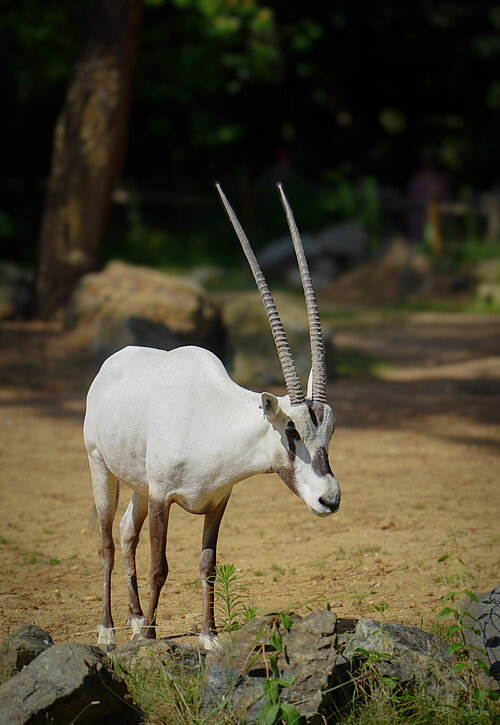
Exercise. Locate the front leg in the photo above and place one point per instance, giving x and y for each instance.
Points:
(208, 638)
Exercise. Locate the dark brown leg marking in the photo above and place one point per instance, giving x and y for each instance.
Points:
(207, 566)
(158, 520)
(108, 560)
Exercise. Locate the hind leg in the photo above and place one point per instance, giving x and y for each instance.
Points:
(158, 522)
(130, 529)
(105, 487)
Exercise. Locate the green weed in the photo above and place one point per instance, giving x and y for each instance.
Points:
(230, 606)
(34, 557)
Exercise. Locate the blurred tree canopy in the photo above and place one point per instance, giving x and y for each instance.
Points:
(244, 90)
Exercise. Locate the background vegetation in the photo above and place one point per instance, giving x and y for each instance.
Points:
(337, 98)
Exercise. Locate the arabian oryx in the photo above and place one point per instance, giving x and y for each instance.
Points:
(175, 428)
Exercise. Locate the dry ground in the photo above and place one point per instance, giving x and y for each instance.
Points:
(416, 452)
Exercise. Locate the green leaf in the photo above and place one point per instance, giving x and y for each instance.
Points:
(479, 694)
(494, 695)
(482, 666)
(277, 642)
(289, 714)
(274, 666)
(268, 713)
(452, 648)
(443, 558)
(391, 682)
(471, 595)
(445, 613)
(271, 690)
(452, 629)
(286, 620)
(450, 595)
(458, 667)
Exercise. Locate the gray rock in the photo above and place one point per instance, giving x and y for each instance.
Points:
(347, 240)
(134, 654)
(62, 684)
(484, 616)
(310, 653)
(280, 254)
(251, 356)
(406, 653)
(21, 647)
(236, 672)
(330, 251)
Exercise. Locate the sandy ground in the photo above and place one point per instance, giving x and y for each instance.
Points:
(416, 451)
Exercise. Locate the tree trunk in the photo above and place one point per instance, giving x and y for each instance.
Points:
(88, 152)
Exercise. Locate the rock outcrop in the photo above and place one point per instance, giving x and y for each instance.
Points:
(68, 682)
(128, 305)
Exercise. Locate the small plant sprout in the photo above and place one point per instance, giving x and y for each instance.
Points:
(233, 612)
(274, 711)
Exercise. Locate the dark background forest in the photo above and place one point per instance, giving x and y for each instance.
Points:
(343, 101)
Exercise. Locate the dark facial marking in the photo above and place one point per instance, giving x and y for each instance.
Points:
(320, 463)
(319, 409)
(291, 431)
(313, 416)
(287, 475)
(292, 435)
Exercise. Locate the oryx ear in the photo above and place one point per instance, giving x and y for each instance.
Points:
(271, 407)
(309, 393)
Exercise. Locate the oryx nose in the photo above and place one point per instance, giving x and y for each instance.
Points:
(332, 505)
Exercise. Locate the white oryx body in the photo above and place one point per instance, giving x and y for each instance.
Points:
(174, 427)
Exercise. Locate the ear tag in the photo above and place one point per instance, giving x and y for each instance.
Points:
(263, 413)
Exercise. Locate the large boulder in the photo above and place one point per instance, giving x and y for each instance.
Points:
(251, 355)
(405, 653)
(66, 683)
(331, 251)
(398, 274)
(128, 305)
(21, 647)
(236, 672)
(139, 653)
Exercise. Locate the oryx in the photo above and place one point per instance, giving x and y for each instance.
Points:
(175, 428)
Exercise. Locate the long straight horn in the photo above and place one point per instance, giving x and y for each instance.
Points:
(315, 332)
(290, 374)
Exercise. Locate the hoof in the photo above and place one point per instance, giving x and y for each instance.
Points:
(208, 641)
(137, 624)
(106, 639)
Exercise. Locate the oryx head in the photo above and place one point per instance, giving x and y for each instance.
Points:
(305, 423)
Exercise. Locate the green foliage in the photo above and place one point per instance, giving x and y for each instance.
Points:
(466, 655)
(233, 612)
(254, 90)
(166, 693)
(276, 709)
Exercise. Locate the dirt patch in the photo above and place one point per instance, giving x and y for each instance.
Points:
(416, 453)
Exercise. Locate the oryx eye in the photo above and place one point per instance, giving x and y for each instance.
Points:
(291, 431)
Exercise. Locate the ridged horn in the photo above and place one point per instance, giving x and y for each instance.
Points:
(316, 335)
(290, 374)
